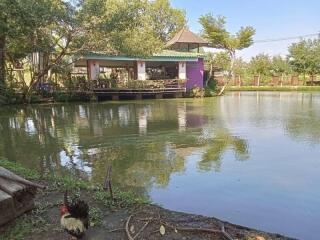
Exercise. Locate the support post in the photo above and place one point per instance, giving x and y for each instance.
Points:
(141, 69)
(115, 97)
(138, 96)
(178, 95)
(159, 95)
(94, 70)
(182, 70)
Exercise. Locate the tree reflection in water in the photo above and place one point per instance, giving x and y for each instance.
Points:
(146, 142)
(303, 119)
(218, 145)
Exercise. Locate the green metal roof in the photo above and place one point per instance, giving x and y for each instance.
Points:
(165, 55)
(171, 53)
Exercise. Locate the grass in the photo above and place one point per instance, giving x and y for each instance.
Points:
(122, 199)
(23, 226)
(96, 216)
(37, 220)
(274, 88)
(20, 170)
(60, 184)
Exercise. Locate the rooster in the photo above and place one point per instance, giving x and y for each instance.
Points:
(74, 217)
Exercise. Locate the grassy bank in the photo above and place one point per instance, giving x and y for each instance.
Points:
(277, 88)
(127, 217)
(39, 220)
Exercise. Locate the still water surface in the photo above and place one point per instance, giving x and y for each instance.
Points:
(249, 158)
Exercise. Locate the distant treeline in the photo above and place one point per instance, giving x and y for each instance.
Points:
(300, 67)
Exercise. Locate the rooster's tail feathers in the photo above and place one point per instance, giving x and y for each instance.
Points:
(65, 199)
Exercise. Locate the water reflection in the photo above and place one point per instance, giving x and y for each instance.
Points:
(145, 142)
(303, 124)
(254, 155)
(221, 142)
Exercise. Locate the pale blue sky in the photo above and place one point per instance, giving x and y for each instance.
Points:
(270, 18)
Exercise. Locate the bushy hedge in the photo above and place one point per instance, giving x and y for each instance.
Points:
(9, 96)
(71, 96)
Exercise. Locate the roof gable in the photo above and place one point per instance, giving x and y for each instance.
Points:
(186, 36)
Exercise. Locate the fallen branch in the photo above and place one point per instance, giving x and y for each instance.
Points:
(227, 235)
(176, 228)
(208, 230)
(115, 230)
(127, 228)
(193, 229)
(107, 183)
(143, 227)
(223, 88)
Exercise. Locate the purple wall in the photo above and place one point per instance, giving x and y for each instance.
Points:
(195, 74)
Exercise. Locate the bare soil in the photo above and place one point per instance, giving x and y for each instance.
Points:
(140, 221)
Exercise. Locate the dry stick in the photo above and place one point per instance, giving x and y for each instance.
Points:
(107, 183)
(143, 227)
(155, 231)
(227, 235)
(116, 229)
(193, 229)
(127, 228)
(208, 230)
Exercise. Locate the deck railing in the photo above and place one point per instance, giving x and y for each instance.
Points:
(139, 84)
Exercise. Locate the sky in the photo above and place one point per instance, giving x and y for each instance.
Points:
(272, 19)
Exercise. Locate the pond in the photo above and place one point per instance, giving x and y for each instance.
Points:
(251, 158)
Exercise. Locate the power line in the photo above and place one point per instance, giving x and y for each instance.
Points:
(287, 38)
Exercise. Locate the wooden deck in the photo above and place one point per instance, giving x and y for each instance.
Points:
(138, 93)
(16, 195)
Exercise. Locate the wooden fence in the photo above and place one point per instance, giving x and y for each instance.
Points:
(291, 80)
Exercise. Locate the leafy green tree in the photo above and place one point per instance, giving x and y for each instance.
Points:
(214, 30)
(35, 26)
(304, 57)
(240, 69)
(166, 20)
(260, 65)
(280, 67)
(125, 27)
(219, 61)
(13, 25)
(61, 29)
(136, 27)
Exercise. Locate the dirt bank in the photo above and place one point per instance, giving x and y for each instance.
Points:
(123, 220)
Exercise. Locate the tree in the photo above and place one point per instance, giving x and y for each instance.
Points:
(280, 67)
(240, 67)
(167, 21)
(218, 60)
(12, 26)
(60, 30)
(136, 27)
(260, 65)
(304, 57)
(214, 30)
(123, 27)
(32, 26)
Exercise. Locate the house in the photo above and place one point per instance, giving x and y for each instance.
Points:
(173, 71)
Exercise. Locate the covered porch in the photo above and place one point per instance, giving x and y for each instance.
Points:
(162, 72)
(173, 71)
